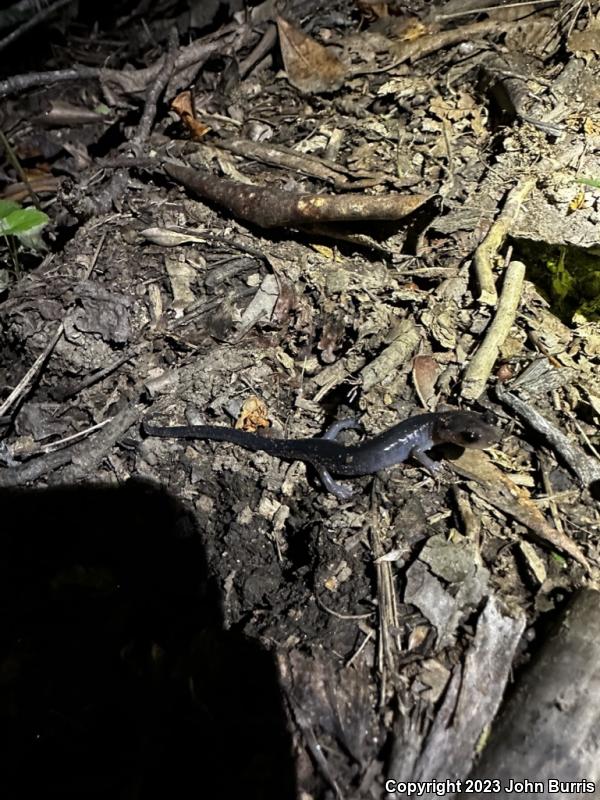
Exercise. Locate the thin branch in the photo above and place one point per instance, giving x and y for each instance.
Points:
(33, 22)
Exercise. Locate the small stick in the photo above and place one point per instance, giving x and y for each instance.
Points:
(584, 466)
(155, 91)
(486, 9)
(10, 154)
(269, 207)
(264, 46)
(32, 22)
(495, 238)
(23, 386)
(480, 368)
(27, 80)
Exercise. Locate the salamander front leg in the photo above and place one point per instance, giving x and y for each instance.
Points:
(341, 425)
(339, 490)
(431, 466)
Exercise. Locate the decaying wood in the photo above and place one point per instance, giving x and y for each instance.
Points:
(497, 489)
(482, 363)
(549, 726)
(496, 236)
(274, 208)
(471, 702)
(586, 467)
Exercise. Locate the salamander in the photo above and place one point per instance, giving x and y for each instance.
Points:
(411, 438)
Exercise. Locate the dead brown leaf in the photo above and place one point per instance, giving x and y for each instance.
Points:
(310, 67)
(425, 374)
(497, 489)
(253, 414)
(183, 106)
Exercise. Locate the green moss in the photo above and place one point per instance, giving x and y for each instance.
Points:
(568, 277)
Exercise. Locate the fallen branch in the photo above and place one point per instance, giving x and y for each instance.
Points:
(482, 363)
(496, 236)
(585, 467)
(135, 82)
(275, 208)
(155, 91)
(33, 22)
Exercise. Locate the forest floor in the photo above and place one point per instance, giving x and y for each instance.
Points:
(347, 210)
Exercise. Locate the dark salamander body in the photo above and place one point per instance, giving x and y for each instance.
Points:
(410, 438)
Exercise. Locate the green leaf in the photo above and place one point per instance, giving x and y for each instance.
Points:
(589, 182)
(22, 220)
(7, 207)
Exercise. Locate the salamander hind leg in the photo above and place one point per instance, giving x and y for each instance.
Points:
(341, 425)
(339, 490)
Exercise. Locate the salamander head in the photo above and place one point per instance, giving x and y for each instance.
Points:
(465, 429)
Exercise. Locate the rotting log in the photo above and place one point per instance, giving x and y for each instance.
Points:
(549, 728)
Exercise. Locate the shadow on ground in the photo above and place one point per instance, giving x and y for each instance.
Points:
(116, 676)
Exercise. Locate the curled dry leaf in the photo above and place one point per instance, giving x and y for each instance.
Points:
(310, 67)
(500, 491)
(425, 374)
(165, 237)
(183, 106)
(253, 414)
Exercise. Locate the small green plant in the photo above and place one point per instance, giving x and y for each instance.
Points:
(24, 225)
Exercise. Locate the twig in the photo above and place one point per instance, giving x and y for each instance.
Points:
(74, 437)
(23, 386)
(362, 646)
(11, 16)
(498, 490)
(305, 163)
(136, 81)
(585, 437)
(155, 91)
(276, 208)
(585, 467)
(10, 154)
(426, 45)
(33, 22)
(549, 496)
(85, 458)
(388, 642)
(265, 45)
(18, 83)
(494, 240)
(314, 747)
(482, 363)
(341, 616)
(487, 9)
(96, 377)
